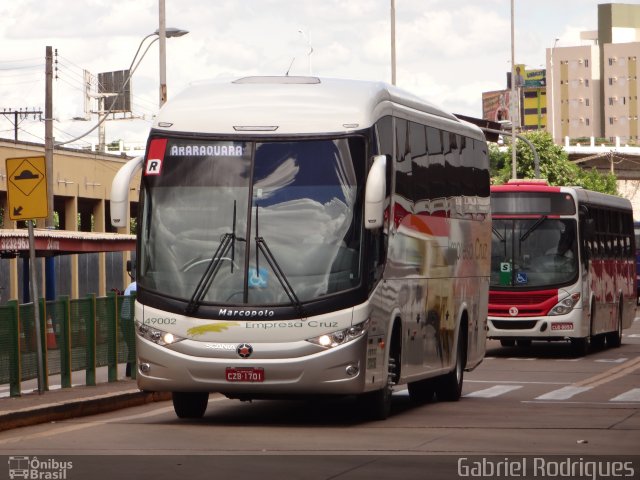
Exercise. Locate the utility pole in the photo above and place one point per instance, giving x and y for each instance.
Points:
(49, 264)
(20, 113)
(48, 131)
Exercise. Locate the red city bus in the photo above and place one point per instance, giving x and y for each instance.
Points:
(562, 265)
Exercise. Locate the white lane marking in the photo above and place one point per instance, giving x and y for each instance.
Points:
(632, 395)
(518, 382)
(563, 393)
(612, 360)
(494, 391)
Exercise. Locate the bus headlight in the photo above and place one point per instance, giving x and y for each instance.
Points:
(565, 305)
(340, 337)
(156, 336)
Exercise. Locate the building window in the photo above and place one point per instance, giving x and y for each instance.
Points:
(612, 120)
(586, 62)
(586, 121)
(586, 102)
(586, 82)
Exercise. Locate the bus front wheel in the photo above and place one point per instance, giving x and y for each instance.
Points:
(190, 404)
(449, 386)
(377, 405)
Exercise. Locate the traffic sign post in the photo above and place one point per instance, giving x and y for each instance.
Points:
(27, 200)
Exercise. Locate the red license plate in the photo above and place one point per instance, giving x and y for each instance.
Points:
(243, 374)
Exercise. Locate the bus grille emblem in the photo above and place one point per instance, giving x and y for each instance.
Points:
(513, 311)
(244, 350)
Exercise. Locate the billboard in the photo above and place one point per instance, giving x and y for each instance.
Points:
(528, 78)
(114, 85)
(495, 105)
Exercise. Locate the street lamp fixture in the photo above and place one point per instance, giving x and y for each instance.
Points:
(172, 32)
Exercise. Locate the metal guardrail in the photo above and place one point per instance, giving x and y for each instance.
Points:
(79, 334)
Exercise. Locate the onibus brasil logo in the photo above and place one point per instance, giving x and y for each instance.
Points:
(38, 469)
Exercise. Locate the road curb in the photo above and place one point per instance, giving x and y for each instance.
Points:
(78, 408)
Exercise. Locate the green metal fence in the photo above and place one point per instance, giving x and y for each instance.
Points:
(75, 335)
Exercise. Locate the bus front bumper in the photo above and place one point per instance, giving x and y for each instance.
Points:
(558, 327)
(339, 370)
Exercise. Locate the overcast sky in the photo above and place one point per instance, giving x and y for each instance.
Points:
(448, 51)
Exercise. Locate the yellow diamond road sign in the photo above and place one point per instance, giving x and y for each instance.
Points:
(27, 188)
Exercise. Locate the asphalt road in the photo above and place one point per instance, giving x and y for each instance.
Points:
(536, 405)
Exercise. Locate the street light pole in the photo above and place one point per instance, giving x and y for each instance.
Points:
(513, 109)
(169, 32)
(307, 39)
(162, 35)
(393, 42)
(550, 108)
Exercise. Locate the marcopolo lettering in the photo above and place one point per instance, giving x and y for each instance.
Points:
(227, 312)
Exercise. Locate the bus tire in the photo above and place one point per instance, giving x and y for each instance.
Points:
(580, 346)
(422, 391)
(449, 386)
(614, 339)
(377, 405)
(190, 404)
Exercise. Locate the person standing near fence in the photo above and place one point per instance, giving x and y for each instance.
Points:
(126, 321)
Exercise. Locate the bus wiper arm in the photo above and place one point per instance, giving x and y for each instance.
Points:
(526, 234)
(210, 273)
(227, 242)
(280, 275)
(498, 234)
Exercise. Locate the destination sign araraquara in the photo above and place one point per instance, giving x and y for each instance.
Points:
(197, 162)
(208, 149)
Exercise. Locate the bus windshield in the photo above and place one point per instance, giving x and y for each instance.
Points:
(251, 223)
(533, 252)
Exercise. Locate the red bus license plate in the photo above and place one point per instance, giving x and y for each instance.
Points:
(244, 374)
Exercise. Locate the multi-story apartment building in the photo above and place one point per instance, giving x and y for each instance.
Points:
(574, 91)
(621, 91)
(592, 88)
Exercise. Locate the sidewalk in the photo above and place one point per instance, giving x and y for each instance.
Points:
(58, 404)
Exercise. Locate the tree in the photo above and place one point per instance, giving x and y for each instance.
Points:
(555, 166)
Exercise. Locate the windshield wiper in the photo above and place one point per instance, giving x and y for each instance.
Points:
(262, 246)
(526, 234)
(498, 234)
(227, 242)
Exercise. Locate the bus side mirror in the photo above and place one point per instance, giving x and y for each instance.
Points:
(119, 200)
(375, 193)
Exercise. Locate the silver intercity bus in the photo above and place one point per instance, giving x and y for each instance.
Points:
(300, 236)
